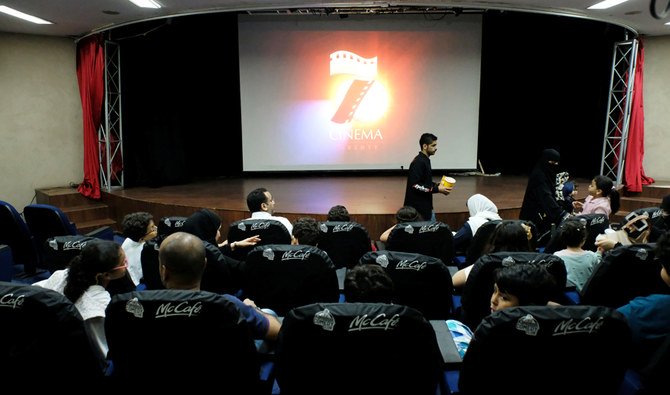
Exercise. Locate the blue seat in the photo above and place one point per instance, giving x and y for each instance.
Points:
(46, 221)
(15, 233)
(6, 263)
(651, 377)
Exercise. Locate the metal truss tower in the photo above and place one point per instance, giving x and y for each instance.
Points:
(110, 133)
(618, 110)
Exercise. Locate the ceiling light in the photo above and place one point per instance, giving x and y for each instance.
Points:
(146, 3)
(25, 17)
(606, 4)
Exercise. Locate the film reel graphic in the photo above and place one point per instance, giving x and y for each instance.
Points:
(364, 71)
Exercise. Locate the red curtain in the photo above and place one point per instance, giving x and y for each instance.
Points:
(90, 73)
(633, 172)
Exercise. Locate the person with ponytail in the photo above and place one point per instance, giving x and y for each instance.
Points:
(603, 198)
(84, 282)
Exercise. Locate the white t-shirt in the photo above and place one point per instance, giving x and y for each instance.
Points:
(91, 306)
(133, 251)
(92, 302)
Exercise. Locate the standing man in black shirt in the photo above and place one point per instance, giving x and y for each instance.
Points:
(420, 185)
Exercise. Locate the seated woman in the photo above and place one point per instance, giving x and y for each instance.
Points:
(482, 210)
(84, 282)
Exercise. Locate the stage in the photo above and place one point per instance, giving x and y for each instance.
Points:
(371, 200)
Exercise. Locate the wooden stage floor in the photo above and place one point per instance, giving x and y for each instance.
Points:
(371, 201)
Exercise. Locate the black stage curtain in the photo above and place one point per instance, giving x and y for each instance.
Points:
(542, 76)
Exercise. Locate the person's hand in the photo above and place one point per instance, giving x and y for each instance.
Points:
(250, 302)
(249, 241)
(577, 204)
(529, 231)
(444, 190)
(604, 244)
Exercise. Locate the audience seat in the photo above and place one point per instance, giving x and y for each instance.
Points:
(547, 350)
(479, 242)
(281, 277)
(650, 378)
(420, 281)
(15, 233)
(46, 221)
(424, 237)
(149, 256)
(42, 337)
(595, 225)
(357, 348)
(6, 263)
(344, 242)
(270, 231)
(196, 338)
(59, 250)
(624, 273)
(476, 295)
(653, 212)
(223, 274)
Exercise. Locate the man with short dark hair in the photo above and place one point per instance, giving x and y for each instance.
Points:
(182, 263)
(261, 204)
(420, 185)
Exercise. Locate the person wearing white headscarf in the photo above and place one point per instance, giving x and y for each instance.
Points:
(482, 210)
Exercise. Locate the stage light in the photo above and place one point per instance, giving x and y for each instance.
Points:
(21, 15)
(606, 4)
(146, 3)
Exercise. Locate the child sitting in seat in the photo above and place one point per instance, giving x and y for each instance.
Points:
(516, 285)
(579, 263)
(603, 198)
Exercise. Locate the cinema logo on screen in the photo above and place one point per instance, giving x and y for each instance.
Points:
(359, 100)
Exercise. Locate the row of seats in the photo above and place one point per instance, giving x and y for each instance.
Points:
(327, 348)
(27, 239)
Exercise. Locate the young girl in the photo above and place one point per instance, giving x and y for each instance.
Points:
(603, 198)
(579, 263)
